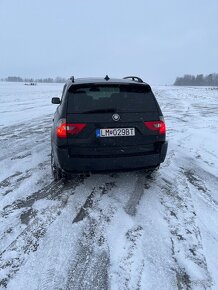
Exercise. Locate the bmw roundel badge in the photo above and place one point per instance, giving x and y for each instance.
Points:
(116, 117)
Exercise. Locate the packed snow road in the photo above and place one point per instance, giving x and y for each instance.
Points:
(109, 231)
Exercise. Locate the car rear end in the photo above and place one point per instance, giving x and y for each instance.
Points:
(110, 126)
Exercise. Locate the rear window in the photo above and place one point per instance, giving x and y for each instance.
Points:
(120, 98)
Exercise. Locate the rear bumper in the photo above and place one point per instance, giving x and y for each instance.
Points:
(87, 164)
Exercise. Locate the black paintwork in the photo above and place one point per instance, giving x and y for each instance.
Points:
(85, 152)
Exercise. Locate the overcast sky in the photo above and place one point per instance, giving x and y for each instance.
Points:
(157, 39)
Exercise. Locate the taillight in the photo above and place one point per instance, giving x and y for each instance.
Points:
(156, 126)
(74, 129)
(63, 129)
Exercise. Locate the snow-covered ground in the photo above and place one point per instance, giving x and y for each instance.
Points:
(109, 231)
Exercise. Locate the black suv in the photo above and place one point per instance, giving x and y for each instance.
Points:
(104, 124)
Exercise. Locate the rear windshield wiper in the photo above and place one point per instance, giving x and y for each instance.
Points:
(109, 110)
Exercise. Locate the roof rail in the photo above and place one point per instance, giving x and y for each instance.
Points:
(134, 78)
(72, 79)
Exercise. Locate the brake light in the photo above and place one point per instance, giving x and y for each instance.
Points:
(156, 126)
(63, 129)
(74, 129)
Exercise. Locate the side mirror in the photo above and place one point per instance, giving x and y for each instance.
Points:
(55, 100)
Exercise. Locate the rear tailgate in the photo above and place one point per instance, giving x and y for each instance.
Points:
(86, 143)
(135, 104)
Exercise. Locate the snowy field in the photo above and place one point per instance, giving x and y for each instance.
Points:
(111, 231)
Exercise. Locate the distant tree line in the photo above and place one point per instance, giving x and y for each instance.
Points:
(30, 80)
(199, 80)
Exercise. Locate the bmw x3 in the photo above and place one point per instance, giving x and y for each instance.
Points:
(106, 124)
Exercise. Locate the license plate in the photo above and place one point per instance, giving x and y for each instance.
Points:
(115, 132)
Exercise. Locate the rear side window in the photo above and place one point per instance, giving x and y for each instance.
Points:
(121, 98)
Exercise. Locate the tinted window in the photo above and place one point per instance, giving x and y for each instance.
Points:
(121, 98)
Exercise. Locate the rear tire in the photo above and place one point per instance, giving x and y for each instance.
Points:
(56, 172)
(150, 171)
(66, 176)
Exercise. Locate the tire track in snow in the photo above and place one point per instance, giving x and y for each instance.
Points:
(12, 257)
(26, 157)
(84, 273)
(187, 250)
(196, 181)
(134, 239)
(89, 269)
(134, 235)
(134, 199)
(90, 199)
(24, 137)
(138, 258)
(13, 185)
(13, 195)
(8, 184)
(51, 191)
(88, 264)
